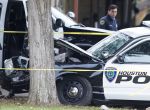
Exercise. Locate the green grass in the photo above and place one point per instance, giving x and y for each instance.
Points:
(21, 105)
(18, 106)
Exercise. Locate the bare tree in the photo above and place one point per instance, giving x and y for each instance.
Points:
(42, 83)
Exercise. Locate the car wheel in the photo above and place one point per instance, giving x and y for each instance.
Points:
(75, 91)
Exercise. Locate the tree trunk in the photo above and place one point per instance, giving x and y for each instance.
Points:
(42, 83)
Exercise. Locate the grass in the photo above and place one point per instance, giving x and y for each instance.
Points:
(18, 106)
(21, 105)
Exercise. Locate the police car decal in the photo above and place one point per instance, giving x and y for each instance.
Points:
(111, 73)
(134, 76)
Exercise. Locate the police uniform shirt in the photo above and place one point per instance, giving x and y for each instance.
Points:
(109, 23)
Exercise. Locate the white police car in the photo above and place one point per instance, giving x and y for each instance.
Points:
(117, 71)
(126, 55)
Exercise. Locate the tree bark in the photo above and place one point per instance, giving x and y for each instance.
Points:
(42, 83)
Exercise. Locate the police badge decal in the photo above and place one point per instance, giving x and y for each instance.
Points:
(110, 74)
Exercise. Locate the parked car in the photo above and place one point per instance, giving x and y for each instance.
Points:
(115, 70)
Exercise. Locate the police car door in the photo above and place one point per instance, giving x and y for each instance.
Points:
(3, 6)
(129, 75)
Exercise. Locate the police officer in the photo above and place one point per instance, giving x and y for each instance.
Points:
(109, 21)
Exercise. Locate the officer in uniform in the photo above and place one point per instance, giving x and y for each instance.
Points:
(109, 21)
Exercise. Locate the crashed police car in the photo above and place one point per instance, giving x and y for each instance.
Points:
(121, 75)
(115, 70)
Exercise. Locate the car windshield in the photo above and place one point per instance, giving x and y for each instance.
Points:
(109, 46)
(67, 21)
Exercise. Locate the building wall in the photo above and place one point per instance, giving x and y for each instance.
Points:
(91, 10)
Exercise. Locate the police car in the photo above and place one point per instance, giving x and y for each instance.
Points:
(126, 55)
(120, 76)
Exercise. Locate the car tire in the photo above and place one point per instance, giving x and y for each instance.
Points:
(74, 91)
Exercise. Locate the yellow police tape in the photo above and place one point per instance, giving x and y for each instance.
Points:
(14, 32)
(66, 33)
(61, 69)
(71, 70)
(83, 33)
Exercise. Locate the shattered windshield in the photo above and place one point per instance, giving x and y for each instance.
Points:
(109, 46)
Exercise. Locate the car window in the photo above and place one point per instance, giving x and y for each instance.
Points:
(139, 54)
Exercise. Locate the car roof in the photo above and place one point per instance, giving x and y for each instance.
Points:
(136, 31)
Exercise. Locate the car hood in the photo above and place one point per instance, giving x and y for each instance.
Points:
(75, 48)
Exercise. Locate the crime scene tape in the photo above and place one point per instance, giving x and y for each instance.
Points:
(14, 32)
(82, 33)
(61, 69)
(34, 69)
(66, 33)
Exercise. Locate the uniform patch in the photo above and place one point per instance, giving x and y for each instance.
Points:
(102, 22)
(110, 74)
